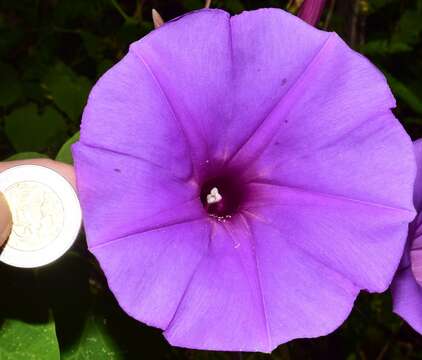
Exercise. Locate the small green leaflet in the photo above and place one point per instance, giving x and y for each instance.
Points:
(65, 154)
(94, 343)
(25, 341)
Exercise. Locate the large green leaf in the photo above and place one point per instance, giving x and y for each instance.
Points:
(25, 341)
(28, 130)
(64, 154)
(68, 90)
(94, 343)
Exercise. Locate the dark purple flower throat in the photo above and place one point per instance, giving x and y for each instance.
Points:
(222, 193)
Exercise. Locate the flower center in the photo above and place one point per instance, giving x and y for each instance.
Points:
(222, 196)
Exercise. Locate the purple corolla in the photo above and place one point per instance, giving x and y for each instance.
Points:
(407, 285)
(242, 179)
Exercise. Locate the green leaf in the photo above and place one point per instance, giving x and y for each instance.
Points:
(28, 130)
(408, 28)
(10, 87)
(64, 154)
(235, 6)
(406, 35)
(103, 66)
(412, 120)
(193, 4)
(25, 341)
(383, 47)
(26, 155)
(405, 93)
(68, 90)
(375, 5)
(93, 44)
(94, 343)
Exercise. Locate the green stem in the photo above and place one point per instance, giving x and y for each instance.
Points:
(120, 10)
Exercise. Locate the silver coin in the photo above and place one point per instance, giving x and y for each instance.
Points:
(46, 215)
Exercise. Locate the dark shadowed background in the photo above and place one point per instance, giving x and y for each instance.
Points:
(51, 53)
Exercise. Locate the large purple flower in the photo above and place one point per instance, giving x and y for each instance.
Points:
(407, 285)
(242, 178)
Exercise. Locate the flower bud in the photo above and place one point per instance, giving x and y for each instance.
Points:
(311, 11)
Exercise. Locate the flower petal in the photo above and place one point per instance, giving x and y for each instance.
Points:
(353, 163)
(222, 307)
(128, 113)
(406, 288)
(362, 241)
(272, 49)
(416, 260)
(407, 298)
(219, 85)
(253, 291)
(163, 260)
(191, 60)
(417, 192)
(122, 195)
(303, 296)
(334, 133)
(337, 92)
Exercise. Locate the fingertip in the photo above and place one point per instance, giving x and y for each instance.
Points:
(5, 220)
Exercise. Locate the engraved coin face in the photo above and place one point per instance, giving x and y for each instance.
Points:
(46, 215)
(37, 214)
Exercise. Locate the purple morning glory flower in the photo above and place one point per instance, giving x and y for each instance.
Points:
(407, 285)
(242, 178)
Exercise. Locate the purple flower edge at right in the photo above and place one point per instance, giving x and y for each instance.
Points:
(407, 285)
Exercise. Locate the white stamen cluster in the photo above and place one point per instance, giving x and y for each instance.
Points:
(214, 196)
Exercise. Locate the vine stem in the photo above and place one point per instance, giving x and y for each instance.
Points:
(120, 10)
(330, 12)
